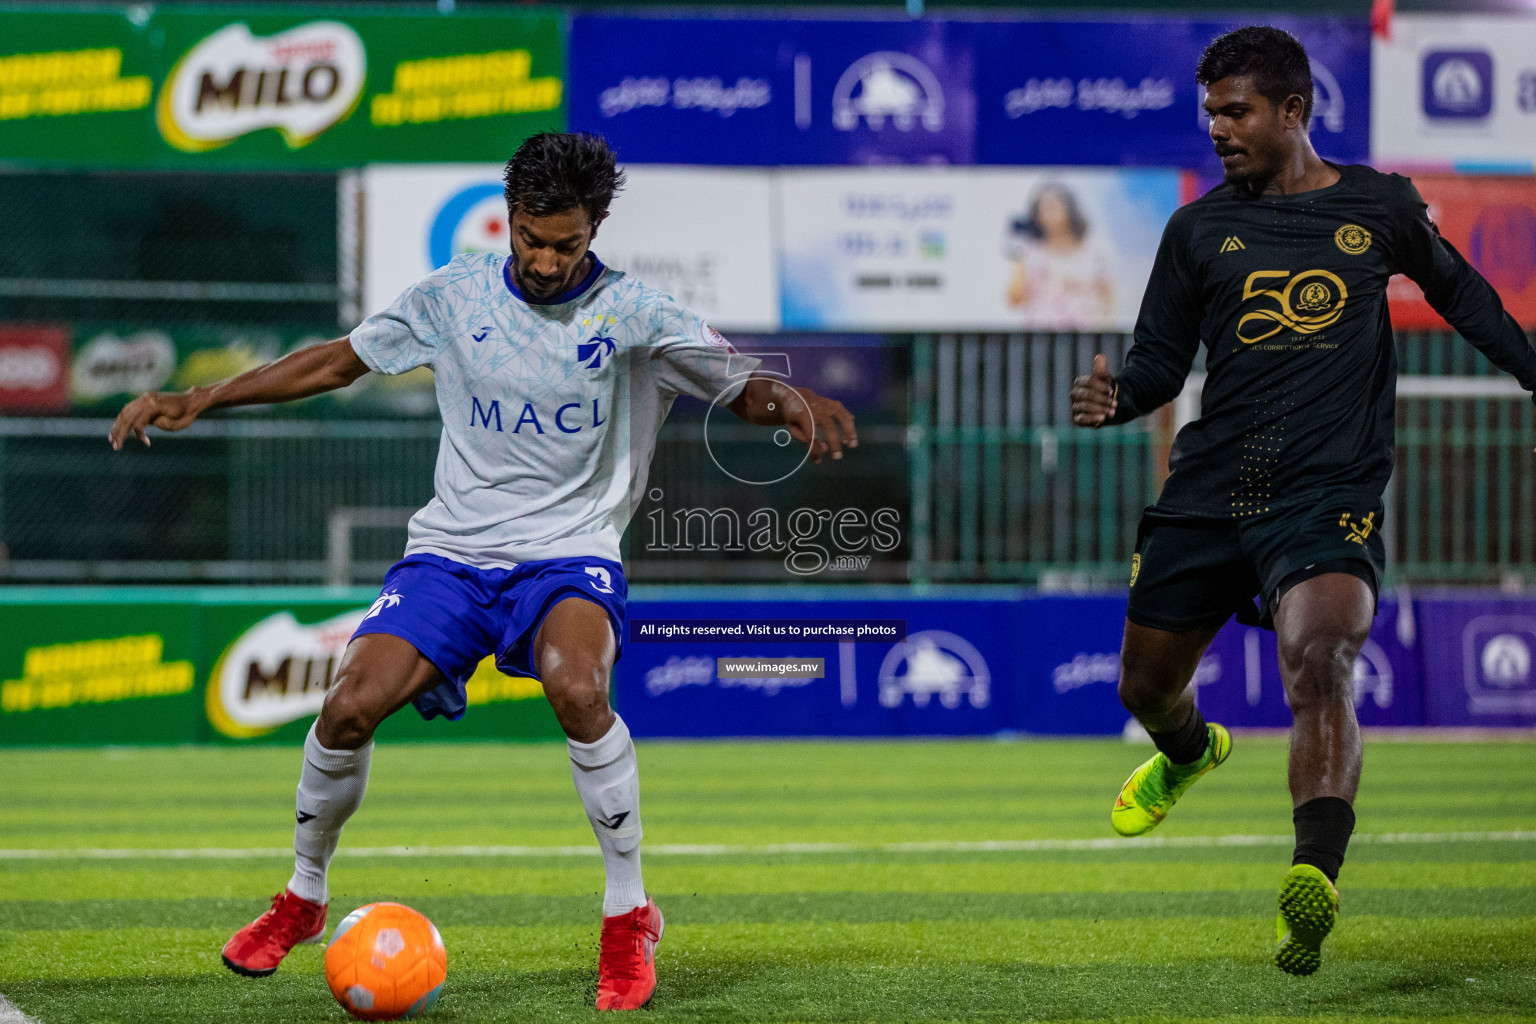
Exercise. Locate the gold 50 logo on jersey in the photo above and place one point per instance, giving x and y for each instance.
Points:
(1307, 303)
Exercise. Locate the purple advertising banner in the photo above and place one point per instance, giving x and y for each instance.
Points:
(1002, 661)
(1125, 93)
(1240, 686)
(1478, 660)
(765, 92)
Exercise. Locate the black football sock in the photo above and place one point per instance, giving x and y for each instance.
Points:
(1187, 744)
(1323, 827)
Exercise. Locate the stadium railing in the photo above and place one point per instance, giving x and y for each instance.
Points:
(992, 482)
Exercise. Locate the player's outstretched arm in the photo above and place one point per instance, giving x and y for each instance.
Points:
(1455, 289)
(308, 371)
(812, 419)
(1093, 396)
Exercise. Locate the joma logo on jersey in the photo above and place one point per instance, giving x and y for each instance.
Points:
(570, 418)
(590, 353)
(1310, 302)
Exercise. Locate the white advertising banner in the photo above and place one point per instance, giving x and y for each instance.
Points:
(704, 236)
(970, 248)
(1456, 89)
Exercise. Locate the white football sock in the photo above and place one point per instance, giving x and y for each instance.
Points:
(331, 788)
(608, 781)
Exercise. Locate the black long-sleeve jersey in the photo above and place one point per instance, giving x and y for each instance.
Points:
(1289, 296)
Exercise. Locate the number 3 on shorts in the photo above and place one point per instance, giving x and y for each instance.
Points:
(603, 583)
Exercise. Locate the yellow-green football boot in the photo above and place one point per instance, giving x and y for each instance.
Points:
(1309, 906)
(1152, 790)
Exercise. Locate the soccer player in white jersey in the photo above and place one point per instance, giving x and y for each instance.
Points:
(553, 375)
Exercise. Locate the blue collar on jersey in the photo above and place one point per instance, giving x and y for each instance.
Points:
(574, 293)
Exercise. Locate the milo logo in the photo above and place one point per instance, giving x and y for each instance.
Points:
(300, 82)
(277, 671)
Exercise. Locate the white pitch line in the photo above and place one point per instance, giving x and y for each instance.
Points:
(729, 850)
(10, 1015)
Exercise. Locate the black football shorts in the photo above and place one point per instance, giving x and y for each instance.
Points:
(1191, 572)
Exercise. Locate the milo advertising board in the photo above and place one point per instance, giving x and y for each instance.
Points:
(183, 665)
(228, 86)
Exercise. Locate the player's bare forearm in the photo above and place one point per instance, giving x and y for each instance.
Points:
(309, 371)
(812, 419)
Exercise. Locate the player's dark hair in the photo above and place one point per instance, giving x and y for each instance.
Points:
(1029, 224)
(1272, 57)
(552, 172)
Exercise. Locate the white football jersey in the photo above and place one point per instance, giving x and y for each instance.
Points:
(550, 412)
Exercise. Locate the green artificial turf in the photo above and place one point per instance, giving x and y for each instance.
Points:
(892, 922)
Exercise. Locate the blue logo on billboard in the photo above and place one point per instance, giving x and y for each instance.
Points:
(474, 219)
(888, 86)
(1500, 657)
(1458, 84)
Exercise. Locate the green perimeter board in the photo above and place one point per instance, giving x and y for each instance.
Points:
(502, 99)
(112, 363)
(110, 653)
(61, 701)
(121, 137)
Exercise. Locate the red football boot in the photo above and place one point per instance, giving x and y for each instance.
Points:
(626, 963)
(257, 949)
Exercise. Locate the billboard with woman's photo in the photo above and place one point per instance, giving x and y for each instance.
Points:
(970, 249)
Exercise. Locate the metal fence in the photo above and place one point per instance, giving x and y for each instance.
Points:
(161, 248)
(991, 481)
(1004, 488)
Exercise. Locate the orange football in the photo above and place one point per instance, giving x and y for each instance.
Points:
(386, 962)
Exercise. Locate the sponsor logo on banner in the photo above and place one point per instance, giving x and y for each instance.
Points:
(934, 663)
(705, 94)
(1110, 95)
(34, 369)
(1327, 98)
(473, 219)
(108, 365)
(1087, 669)
(888, 88)
(1498, 668)
(1373, 675)
(718, 260)
(1457, 89)
(1458, 84)
(300, 82)
(276, 672)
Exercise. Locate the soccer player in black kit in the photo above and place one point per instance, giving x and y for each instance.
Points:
(1275, 491)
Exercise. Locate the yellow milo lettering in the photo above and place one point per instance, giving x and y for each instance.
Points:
(489, 685)
(466, 86)
(66, 82)
(94, 672)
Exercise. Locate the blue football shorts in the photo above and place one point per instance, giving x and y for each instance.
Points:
(455, 614)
